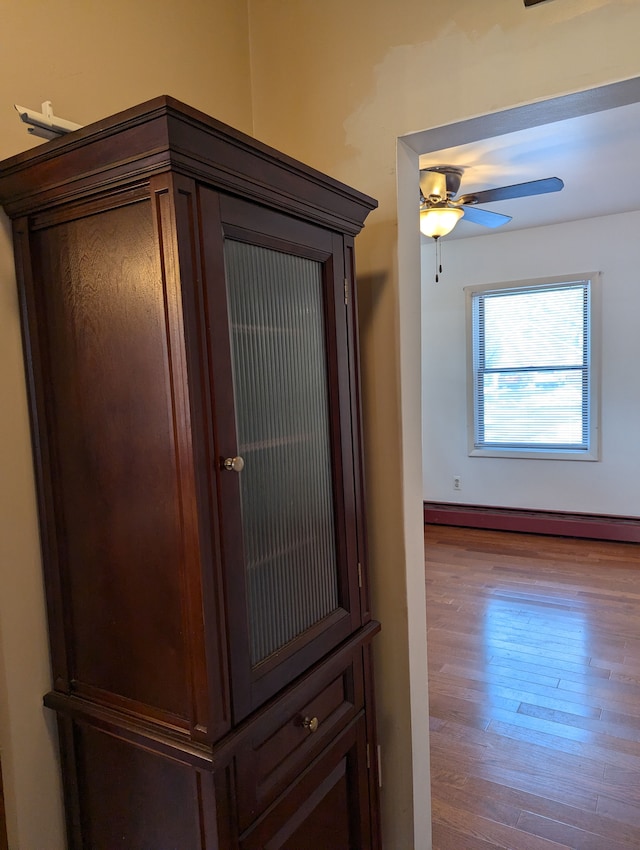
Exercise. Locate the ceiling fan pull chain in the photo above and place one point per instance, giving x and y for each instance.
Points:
(438, 258)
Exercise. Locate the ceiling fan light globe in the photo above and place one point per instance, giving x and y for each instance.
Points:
(438, 221)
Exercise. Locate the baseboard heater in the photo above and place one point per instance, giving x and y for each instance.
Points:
(625, 529)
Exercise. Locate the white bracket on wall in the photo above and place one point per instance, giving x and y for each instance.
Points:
(45, 124)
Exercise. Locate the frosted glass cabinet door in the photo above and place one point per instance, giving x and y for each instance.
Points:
(277, 329)
(281, 358)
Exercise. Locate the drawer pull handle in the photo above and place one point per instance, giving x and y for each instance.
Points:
(310, 723)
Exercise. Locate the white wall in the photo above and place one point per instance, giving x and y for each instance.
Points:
(609, 486)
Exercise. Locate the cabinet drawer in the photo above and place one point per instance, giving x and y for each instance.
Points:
(327, 807)
(292, 731)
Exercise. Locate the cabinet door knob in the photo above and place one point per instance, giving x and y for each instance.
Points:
(234, 464)
(310, 723)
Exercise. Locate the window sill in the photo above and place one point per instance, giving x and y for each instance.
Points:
(536, 454)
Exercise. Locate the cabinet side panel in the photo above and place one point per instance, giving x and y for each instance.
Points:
(133, 798)
(110, 427)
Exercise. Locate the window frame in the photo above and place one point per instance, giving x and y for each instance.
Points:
(592, 453)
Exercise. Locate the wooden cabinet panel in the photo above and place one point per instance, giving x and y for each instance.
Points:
(132, 798)
(111, 419)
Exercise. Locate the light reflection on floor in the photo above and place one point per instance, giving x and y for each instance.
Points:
(540, 641)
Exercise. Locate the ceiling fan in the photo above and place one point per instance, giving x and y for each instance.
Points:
(440, 209)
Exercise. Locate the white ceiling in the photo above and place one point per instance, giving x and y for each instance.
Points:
(596, 155)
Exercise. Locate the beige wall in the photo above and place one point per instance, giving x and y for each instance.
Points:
(91, 60)
(335, 84)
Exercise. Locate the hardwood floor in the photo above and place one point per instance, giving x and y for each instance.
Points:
(534, 679)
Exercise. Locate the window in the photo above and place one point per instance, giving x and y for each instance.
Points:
(532, 379)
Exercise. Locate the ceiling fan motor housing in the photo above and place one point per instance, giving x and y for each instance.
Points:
(453, 176)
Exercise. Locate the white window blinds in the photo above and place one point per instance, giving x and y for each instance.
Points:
(531, 367)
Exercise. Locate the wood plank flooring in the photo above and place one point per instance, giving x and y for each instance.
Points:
(534, 680)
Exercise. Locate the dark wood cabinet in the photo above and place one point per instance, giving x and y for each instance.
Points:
(189, 319)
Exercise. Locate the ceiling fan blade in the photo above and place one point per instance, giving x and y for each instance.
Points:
(518, 190)
(484, 217)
